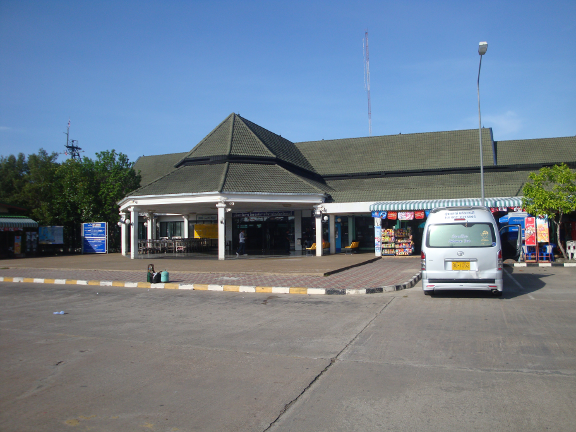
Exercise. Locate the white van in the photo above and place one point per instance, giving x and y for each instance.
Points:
(461, 249)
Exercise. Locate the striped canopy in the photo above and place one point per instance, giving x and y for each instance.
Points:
(17, 222)
(430, 204)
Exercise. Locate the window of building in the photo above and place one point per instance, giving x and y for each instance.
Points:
(171, 229)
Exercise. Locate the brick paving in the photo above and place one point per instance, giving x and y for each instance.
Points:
(375, 274)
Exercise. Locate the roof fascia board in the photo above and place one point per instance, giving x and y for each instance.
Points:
(213, 197)
(348, 208)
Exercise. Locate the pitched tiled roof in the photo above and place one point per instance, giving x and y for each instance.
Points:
(447, 186)
(536, 151)
(231, 177)
(154, 167)
(269, 179)
(237, 137)
(404, 152)
(240, 156)
(186, 179)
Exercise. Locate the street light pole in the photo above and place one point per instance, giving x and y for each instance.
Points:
(482, 48)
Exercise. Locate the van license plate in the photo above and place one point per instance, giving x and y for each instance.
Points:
(460, 265)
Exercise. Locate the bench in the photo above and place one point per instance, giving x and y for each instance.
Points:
(352, 248)
(325, 245)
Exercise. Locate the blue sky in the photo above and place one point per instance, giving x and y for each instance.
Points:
(152, 77)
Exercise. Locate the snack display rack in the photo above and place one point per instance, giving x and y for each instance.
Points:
(404, 244)
(397, 242)
(388, 242)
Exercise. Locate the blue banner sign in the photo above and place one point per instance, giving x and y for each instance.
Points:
(380, 214)
(95, 237)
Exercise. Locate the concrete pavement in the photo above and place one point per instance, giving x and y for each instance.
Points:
(332, 274)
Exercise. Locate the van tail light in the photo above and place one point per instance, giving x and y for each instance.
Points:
(500, 263)
(423, 260)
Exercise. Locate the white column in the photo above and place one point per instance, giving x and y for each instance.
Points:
(185, 231)
(221, 231)
(133, 233)
(332, 234)
(149, 228)
(297, 230)
(123, 242)
(318, 234)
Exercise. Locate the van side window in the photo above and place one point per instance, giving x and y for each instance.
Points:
(461, 235)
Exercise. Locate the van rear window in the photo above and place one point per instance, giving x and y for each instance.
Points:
(461, 235)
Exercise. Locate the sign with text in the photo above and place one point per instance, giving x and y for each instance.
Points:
(542, 230)
(51, 235)
(379, 214)
(530, 231)
(95, 237)
(405, 215)
(378, 240)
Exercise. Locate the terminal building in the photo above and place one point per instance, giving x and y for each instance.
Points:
(287, 196)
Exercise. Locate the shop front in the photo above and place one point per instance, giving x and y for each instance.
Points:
(399, 225)
(18, 236)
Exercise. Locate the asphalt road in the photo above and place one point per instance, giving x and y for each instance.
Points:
(131, 359)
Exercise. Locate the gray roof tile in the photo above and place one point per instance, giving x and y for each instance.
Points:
(467, 185)
(154, 167)
(404, 152)
(536, 151)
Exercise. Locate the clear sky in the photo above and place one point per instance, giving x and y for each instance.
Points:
(154, 77)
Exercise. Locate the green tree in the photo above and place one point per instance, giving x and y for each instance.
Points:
(116, 178)
(551, 192)
(38, 185)
(12, 172)
(69, 193)
(88, 191)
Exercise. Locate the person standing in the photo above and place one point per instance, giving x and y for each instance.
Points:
(242, 245)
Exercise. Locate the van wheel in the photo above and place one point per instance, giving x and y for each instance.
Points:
(428, 292)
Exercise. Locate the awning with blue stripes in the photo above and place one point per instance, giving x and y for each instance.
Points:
(430, 204)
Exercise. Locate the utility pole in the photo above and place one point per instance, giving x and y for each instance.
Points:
(367, 81)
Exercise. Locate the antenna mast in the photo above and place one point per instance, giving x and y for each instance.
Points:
(72, 148)
(367, 80)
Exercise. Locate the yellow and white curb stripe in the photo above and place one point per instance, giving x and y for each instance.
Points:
(547, 264)
(211, 287)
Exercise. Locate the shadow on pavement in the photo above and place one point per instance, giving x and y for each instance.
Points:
(515, 285)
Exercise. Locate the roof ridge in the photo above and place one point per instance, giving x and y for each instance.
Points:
(306, 180)
(231, 133)
(203, 140)
(391, 135)
(278, 146)
(224, 176)
(255, 136)
(155, 181)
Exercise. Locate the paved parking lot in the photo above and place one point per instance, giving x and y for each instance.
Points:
(136, 359)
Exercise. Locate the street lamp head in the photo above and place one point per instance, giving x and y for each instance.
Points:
(482, 48)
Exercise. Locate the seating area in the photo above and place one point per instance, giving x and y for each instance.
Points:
(353, 248)
(175, 245)
(312, 249)
(542, 253)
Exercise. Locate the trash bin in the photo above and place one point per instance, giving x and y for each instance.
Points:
(150, 274)
(165, 277)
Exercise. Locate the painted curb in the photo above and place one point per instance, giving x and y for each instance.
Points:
(523, 264)
(224, 288)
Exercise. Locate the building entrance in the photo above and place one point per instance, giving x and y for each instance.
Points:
(269, 236)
